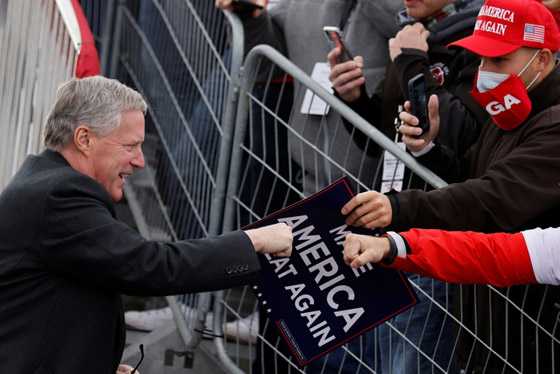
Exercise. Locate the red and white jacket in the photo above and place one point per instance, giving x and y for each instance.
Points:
(499, 259)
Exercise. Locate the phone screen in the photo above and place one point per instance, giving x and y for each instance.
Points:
(419, 102)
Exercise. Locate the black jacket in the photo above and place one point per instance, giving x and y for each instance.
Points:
(509, 182)
(449, 74)
(65, 259)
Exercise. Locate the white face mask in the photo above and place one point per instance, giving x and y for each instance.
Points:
(488, 80)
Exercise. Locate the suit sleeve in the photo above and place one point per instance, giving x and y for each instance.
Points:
(81, 239)
(469, 258)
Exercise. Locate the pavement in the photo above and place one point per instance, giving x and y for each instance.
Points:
(165, 353)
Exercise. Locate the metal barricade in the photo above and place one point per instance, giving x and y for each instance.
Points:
(266, 175)
(36, 55)
(182, 56)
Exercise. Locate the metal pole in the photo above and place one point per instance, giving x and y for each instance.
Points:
(106, 40)
(115, 50)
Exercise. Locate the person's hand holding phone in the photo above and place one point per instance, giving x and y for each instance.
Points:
(410, 130)
(346, 77)
(346, 70)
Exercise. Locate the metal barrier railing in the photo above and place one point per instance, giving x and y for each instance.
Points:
(35, 57)
(265, 160)
(183, 57)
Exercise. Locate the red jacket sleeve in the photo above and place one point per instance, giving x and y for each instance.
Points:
(468, 258)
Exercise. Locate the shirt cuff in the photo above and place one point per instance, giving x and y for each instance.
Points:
(424, 151)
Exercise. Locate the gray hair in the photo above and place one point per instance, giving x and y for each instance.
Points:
(96, 102)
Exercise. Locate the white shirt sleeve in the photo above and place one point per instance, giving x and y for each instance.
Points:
(424, 151)
(544, 251)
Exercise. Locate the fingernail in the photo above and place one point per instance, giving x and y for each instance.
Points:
(343, 211)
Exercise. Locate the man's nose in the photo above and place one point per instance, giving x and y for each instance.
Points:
(138, 160)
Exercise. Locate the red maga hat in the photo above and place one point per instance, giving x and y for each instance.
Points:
(504, 26)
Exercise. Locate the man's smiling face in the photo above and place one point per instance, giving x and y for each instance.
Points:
(115, 156)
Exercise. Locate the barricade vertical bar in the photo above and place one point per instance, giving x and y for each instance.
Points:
(35, 56)
(228, 122)
(106, 36)
(115, 45)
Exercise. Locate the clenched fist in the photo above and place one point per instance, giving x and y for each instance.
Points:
(274, 239)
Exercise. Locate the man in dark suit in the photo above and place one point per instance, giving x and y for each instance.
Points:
(65, 259)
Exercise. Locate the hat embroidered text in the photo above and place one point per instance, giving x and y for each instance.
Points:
(504, 26)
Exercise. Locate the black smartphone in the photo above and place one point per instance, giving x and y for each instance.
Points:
(247, 4)
(334, 37)
(419, 102)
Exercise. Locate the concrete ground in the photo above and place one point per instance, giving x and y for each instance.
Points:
(164, 353)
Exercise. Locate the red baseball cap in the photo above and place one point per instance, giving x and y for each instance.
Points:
(504, 26)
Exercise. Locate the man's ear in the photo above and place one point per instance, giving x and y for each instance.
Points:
(544, 59)
(82, 139)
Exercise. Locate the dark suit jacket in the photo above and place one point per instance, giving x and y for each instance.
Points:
(65, 260)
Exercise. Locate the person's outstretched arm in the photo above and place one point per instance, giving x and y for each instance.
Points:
(499, 259)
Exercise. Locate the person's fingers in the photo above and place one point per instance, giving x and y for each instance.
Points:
(407, 117)
(359, 60)
(356, 200)
(125, 369)
(224, 4)
(339, 70)
(407, 106)
(411, 142)
(367, 256)
(433, 115)
(360, 260)
(332, 57)
(368, 209)
(418, 27)
(349, 85)
(377, 217)
(351, 248)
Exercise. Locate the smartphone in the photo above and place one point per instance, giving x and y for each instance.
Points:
(247, 4)
(419, 102)
(334, 37)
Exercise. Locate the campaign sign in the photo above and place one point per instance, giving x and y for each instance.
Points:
(313, 298)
